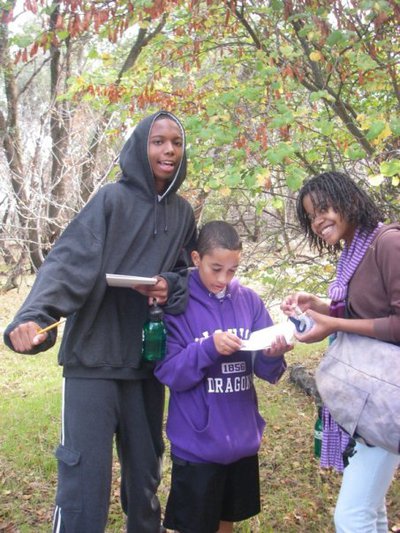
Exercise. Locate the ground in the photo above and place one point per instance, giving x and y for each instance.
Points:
(297, 495)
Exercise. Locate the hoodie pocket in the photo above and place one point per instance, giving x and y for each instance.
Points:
(69, 489)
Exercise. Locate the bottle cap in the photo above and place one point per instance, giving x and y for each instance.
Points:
(155, 311)
(300, 324)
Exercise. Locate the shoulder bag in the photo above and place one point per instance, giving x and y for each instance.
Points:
(358, 379)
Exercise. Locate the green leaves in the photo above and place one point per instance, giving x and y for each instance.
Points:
(337, 37)
(375, 130)
(325, 126)
(390, 168)
(269, 94)
(355, 152)
(319, 95)
(294, 176)
(279, 153)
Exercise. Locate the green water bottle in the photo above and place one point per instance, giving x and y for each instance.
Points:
(154, 335)
(318, 434)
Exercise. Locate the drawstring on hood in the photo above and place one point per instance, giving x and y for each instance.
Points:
(213, 299)
(166, 215)
(136, 168)
(155, 216)
(156, 201)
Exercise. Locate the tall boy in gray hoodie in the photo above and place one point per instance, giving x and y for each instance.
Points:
(140, 226)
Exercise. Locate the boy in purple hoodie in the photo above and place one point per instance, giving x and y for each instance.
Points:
(213, 423)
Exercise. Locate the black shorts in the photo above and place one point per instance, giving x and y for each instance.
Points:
(202, 494)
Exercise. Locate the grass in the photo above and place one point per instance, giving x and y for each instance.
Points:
(297, 496)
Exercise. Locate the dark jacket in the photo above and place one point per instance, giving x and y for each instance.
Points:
(126, 228)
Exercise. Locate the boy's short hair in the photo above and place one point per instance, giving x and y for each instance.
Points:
(217, 234)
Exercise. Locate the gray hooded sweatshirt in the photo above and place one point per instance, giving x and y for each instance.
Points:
(126, 228)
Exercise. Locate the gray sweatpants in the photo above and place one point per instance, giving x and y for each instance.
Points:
(94, 410)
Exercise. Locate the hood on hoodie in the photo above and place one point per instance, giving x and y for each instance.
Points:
(134, 161)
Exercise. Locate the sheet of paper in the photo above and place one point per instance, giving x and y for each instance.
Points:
(120, 280)
(263, 338)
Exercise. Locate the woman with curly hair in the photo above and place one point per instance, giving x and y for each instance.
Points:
(337, 215)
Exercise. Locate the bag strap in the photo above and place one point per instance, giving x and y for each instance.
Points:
(372, 247)
(381, 233)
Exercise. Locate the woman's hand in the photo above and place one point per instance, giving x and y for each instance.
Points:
(323, 327)
(303, 301)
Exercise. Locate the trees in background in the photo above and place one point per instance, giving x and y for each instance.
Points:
(270, 91)
(58, 147)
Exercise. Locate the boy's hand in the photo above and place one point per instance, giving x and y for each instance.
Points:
(25, 337)
(278, 347)
(226, 343)
(159, 291)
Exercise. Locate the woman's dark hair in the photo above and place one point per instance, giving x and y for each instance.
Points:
(217, 234)
(339, 191)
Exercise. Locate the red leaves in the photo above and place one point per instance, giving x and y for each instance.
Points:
(157, 9)
(74, 26)
(31, 5)
(241, 141)
(99, 16)
(288, 72)
(6, 16)
(34, 49)
(159, 98)
(59, 25)
(112, 92)
(74, 5)
(262, 136)
(380, 19)
(288, 9)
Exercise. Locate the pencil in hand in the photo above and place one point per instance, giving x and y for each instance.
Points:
(52, 326)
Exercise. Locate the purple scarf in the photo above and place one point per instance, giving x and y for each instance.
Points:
(334, 439)
(349, 260)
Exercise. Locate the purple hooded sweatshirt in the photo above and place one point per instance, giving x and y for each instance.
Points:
(213, 413)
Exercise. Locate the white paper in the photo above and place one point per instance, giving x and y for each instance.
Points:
(263, 338)
(121, 280)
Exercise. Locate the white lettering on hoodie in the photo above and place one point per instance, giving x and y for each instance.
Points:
(229, 384)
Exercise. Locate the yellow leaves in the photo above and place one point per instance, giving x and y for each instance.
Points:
(378, 129)
(287, 50)
(386, 132)
(376, 180)
(263, 179)
(80, 82)
(223, 117)
(363, 121)
(225, 191)
(329, 269)
(316, 56)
